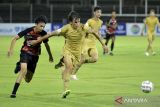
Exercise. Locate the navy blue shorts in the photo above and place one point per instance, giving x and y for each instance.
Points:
(31, 61)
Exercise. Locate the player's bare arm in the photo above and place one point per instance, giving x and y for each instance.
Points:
(34, 42)
(13, 42)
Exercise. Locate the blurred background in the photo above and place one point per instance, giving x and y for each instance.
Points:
(18, 11)
(17, 15)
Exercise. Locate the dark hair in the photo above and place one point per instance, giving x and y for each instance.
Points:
(73, 15)
(97, 8)
(41, 19)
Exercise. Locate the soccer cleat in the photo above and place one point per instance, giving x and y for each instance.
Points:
(74, 77)
(13, 96)
(18, 68)
(111, 53)
(66, 93)
(60, 64)
(146, 53)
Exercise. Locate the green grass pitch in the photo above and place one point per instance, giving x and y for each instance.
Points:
(98, 84)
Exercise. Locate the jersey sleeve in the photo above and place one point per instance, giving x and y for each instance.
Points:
(24, 32)
(62, 31)
(87, 25)
(43, 33)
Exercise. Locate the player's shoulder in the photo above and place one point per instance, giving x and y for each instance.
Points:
(29, 29)
(67, 26)
(43, 32)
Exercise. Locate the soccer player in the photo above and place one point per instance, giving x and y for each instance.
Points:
(150, 22)
(110, 34)
(74, 34)
(89, 53)
(29, 54)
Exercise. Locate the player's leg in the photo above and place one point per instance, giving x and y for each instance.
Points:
(59, 64)
(77, 67)
(19, 79)
(112, 44)
(22, 73)
(32, 63)
(18, 67)
(93, 55)
(107, 40)
(66, 74)
(82, 60)
(149, 47)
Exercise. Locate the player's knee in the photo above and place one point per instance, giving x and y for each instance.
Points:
(69, 67)
(94, 59)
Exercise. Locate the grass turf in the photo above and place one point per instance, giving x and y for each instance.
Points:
(98, 84)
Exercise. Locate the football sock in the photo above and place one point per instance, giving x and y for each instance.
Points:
(16, 85)
(112, 46)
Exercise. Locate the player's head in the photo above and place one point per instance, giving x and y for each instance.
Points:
(74, 19)
(97, 11)
(152, 12)
(40, 22)
(113, 13)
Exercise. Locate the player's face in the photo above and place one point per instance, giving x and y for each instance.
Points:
(98, 13)
(113, 14)
(152, 13)
(76, 23)
(40, 26)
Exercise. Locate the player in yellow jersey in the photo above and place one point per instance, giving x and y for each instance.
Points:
(90, 42)
(90, 52)
(150, 22)
(74, 34)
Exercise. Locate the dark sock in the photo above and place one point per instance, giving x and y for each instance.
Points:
(16, 85)
(112, 46)
(61, 60)
(106, 43)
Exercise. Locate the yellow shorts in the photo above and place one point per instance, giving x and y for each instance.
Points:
(150, 36)
(88, 49)
(75, 59)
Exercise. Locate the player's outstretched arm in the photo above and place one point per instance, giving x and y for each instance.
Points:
(13, 42)
(50, 34)
(96, 34)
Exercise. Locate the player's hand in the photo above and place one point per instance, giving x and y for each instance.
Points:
(105, 49)
(9, 53)
(51, 59)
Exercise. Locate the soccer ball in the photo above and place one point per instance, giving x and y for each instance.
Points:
(147, 86)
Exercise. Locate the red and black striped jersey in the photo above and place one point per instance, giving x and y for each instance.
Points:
(111, 26)
(30, 34)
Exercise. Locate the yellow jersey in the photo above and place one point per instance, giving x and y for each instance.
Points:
(151, 23)
(73, 39)
(95, 25)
